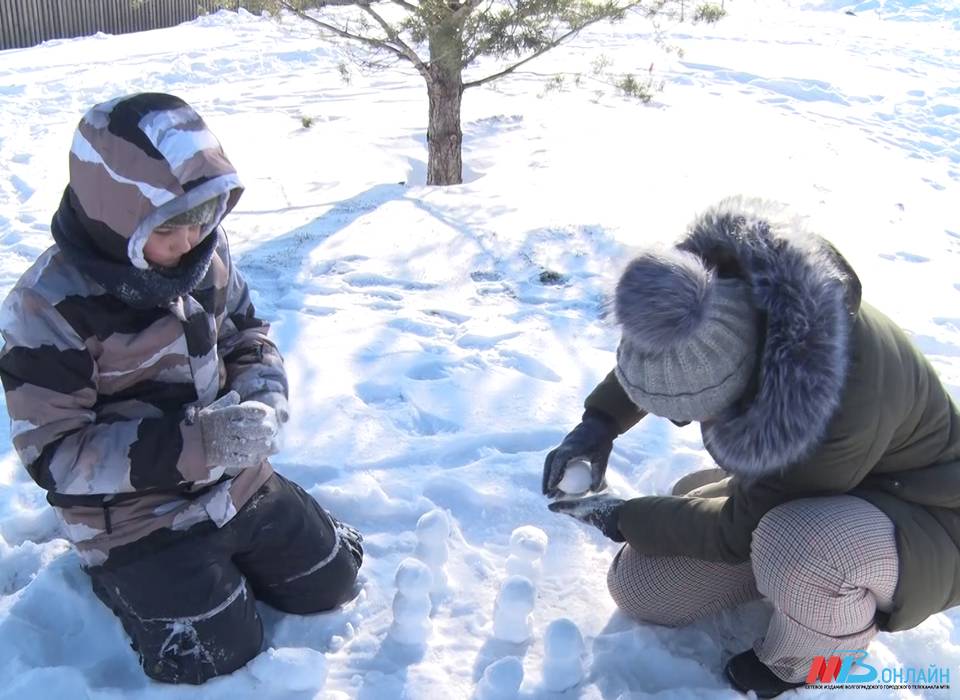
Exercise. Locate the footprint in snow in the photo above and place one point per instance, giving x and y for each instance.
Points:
(448, 316)
(472, 341)
(528, 365)
(429, 371)
(951, 323)
(369, 279)
(384, 306)
(906, 257)
(378, 395)
(424, 330)
(24, 190)
(384, 294)
(426, 424)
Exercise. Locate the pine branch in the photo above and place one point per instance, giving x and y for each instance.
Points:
(391, 33)
(376, 43)
(542, 50)
(477, 47)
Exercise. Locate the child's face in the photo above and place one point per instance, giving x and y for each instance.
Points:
(167, 244)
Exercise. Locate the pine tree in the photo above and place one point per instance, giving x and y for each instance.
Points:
(441, 38)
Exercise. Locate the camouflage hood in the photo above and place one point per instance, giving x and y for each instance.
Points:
(106, 359)
(139, 160)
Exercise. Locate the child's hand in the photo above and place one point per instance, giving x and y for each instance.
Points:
(275, 400)
(265, 390)
(237, 434)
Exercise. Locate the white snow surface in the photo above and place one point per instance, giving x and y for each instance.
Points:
(430, 367)
(290, 668)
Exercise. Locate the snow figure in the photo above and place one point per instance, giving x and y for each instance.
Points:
(512, 619)
(501, 680)
(527, 546)
(576, 478)
(433, 530)
(411, 604)
(563, 651)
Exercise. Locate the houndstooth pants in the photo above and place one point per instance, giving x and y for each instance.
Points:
(826, 564)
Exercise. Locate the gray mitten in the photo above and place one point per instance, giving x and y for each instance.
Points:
(237, 434)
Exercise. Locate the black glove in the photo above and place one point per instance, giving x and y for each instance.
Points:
(350, 538)
(592, 441)
(603, 512)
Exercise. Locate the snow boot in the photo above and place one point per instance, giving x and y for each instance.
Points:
(746, 672)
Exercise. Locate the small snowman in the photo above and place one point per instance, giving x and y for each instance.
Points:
(411, 604)
(512, 618)
(433, 531)
(527, 547)
(563, 652)
(501, 680)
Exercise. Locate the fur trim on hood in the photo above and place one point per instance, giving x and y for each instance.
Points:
(808, 298)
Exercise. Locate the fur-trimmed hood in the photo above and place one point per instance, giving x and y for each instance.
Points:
(808, 297)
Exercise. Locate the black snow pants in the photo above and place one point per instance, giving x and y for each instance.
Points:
(186, 599)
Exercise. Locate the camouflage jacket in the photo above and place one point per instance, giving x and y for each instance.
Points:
(105, 360)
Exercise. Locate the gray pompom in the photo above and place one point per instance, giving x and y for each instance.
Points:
(661, 298)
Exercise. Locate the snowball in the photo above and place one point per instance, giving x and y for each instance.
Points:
(528, 541)
(576, 478)
(413, 577)
(433, 527)
(562, 640)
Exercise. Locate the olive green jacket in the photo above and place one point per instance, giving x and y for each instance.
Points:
(890, 434)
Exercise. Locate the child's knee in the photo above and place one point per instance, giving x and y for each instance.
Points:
(319, 589)
(194, 650)
(218, 657)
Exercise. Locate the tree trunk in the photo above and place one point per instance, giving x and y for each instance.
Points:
(445, 94)
(444, 137)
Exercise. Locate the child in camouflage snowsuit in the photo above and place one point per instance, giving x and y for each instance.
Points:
(145, 398)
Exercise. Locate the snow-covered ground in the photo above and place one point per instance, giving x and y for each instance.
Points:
(430, 365)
